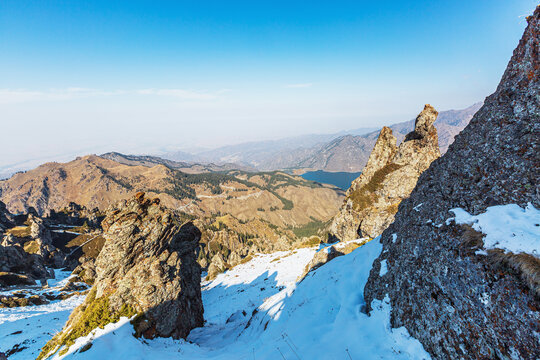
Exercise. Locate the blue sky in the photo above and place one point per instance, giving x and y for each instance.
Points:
(146, 76)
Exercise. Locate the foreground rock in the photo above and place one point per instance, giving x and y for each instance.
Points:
(461, 303)
(147, 268)
(388, 177)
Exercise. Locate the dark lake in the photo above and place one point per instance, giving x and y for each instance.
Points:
(342, 180)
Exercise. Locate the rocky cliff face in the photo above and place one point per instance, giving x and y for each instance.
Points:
(6, 219)
(458, 301)
(147, 268)
(389, 177)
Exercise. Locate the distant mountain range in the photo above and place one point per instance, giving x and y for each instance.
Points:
(187, 167)
(345, 151)
(261, 154)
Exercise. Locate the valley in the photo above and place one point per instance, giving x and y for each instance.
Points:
(239, 212)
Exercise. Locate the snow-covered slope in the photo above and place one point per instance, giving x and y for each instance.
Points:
(257, 311)
(25, 330)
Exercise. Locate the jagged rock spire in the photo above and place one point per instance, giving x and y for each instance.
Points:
(388, 177)
(423, 125)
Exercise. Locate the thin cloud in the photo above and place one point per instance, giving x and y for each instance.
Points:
(8, 96)
(178, 93)
(297, 86)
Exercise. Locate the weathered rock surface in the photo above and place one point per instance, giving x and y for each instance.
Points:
(146, 267)
(21, 299)
(149, 262)
(76, 215)
(86, 270)
(389, 177)
(18, 267)
(217, 266)
(459, 304)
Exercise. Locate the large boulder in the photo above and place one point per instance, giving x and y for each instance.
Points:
(147, 268)
(388, 177)
(459, 300)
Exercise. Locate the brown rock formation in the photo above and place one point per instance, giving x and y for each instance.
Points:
(147, 268)
(460, 304)
(389, 177)
(149, 262)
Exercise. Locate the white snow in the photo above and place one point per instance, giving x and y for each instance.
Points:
(66, 232)
(508, 227)
(384, 268)
(485, 299)
(257, 311)
(29, 328)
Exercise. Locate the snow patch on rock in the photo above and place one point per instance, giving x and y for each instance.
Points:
(508, 227)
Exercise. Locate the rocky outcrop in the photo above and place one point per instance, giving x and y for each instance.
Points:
(320, 258)
(86, 270)
(388, 177)
(43, 243)
(350, 153)
(149, 262)
(6, 219)
(147, 268)
(76, 215)
(329, 253)
(17, 267)
(459, 303)
(217, 266)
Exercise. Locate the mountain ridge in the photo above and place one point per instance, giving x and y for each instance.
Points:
(346, 151)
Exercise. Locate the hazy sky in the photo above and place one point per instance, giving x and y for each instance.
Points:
(80, 77)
